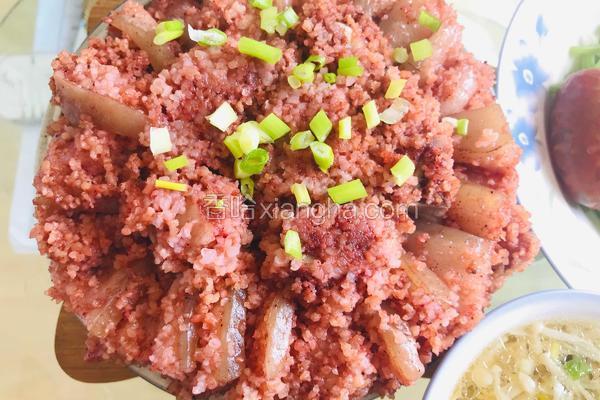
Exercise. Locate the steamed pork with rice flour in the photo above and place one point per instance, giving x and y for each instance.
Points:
(304, 200)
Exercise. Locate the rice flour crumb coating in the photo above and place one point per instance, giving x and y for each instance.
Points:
(197, 285)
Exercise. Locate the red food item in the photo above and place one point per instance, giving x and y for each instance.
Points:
(574, 137)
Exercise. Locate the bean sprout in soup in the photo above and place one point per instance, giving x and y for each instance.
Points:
(543, 361)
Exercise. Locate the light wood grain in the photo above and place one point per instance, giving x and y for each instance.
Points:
(69, 347)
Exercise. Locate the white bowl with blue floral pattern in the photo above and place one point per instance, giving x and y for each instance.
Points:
(535, 56)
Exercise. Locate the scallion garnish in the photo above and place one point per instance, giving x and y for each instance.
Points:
(251, 164)
(179, 187)
(289, 17)
(577, 367)
(248, 139)
(395, 89)
(349, 66)
(345, 128)
(260, 50)
(400, 55)
(261, 4)
(330, 77)
(347, 192)
(318, 60)
(223, 117)
(462, 127)
(209, 37)
(247, 188)
(394, 113)
(323, 155)
(167, 31)
(320, 125)
(292, 244)
(403, 170)
(269, 18)
(421, 50)
(160, 141)
(274, 126)
(301, 140)
(176, 163)
(294, 82)
(254, 126)
(429, 21)
(301, 193)
(305, 72)
(231, 142)
(371, 114)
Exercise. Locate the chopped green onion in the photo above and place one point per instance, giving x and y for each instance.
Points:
(301, 140)
(167, 31)
(371, 114)
(395, 89)
(584, 50)
(462, 127)
(349, 66)
(429, 21)
(260, 50)
(269, 18)
(289, 17)
(160, 141)
(320, 125)
(209, 37)
(292, 244)
(421, 50)
(345, 128)
(400, 55)
(274, 126)
(330, 77)
(394, 113)
(253, 163)
(294, 82)
(223, 117)
(403, 170)
(323, 155)
(301, 193)
(304, 72)
(281, 27)
(248, 139)
(176, 163)
(263, 137)
(347, 192)
(261, 4)
(247, 188)
(577, 367)
(318, 60)
(179, 187)
(231, 142)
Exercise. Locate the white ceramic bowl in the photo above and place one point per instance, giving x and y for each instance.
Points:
(535, 56)
(555, 304)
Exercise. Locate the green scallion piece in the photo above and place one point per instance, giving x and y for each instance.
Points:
(209, 37)
(269, 18)
(323, 155)
(294, 82)
(347, 192)
(247, 188)
(345, 128)
(281, 27)
(421, 50)
(261, 4)
(429, 21)
(349, 66)
(577, 367)
(260, 50)
(167, 31)
(320, 125)
(305, 72)
(301, 193)
(330, 77)
(395, 89)
(274, 126)
(402, 170)
(400, 55)
(223, 117)
(289, 17)
(371, 114)
(248, 139)
(175, 163)
(292, 244)
(318, 60)
(254, 126)
(301, 140)
(231, 142)
(251, 164)
(462, 127)
(178, 187)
